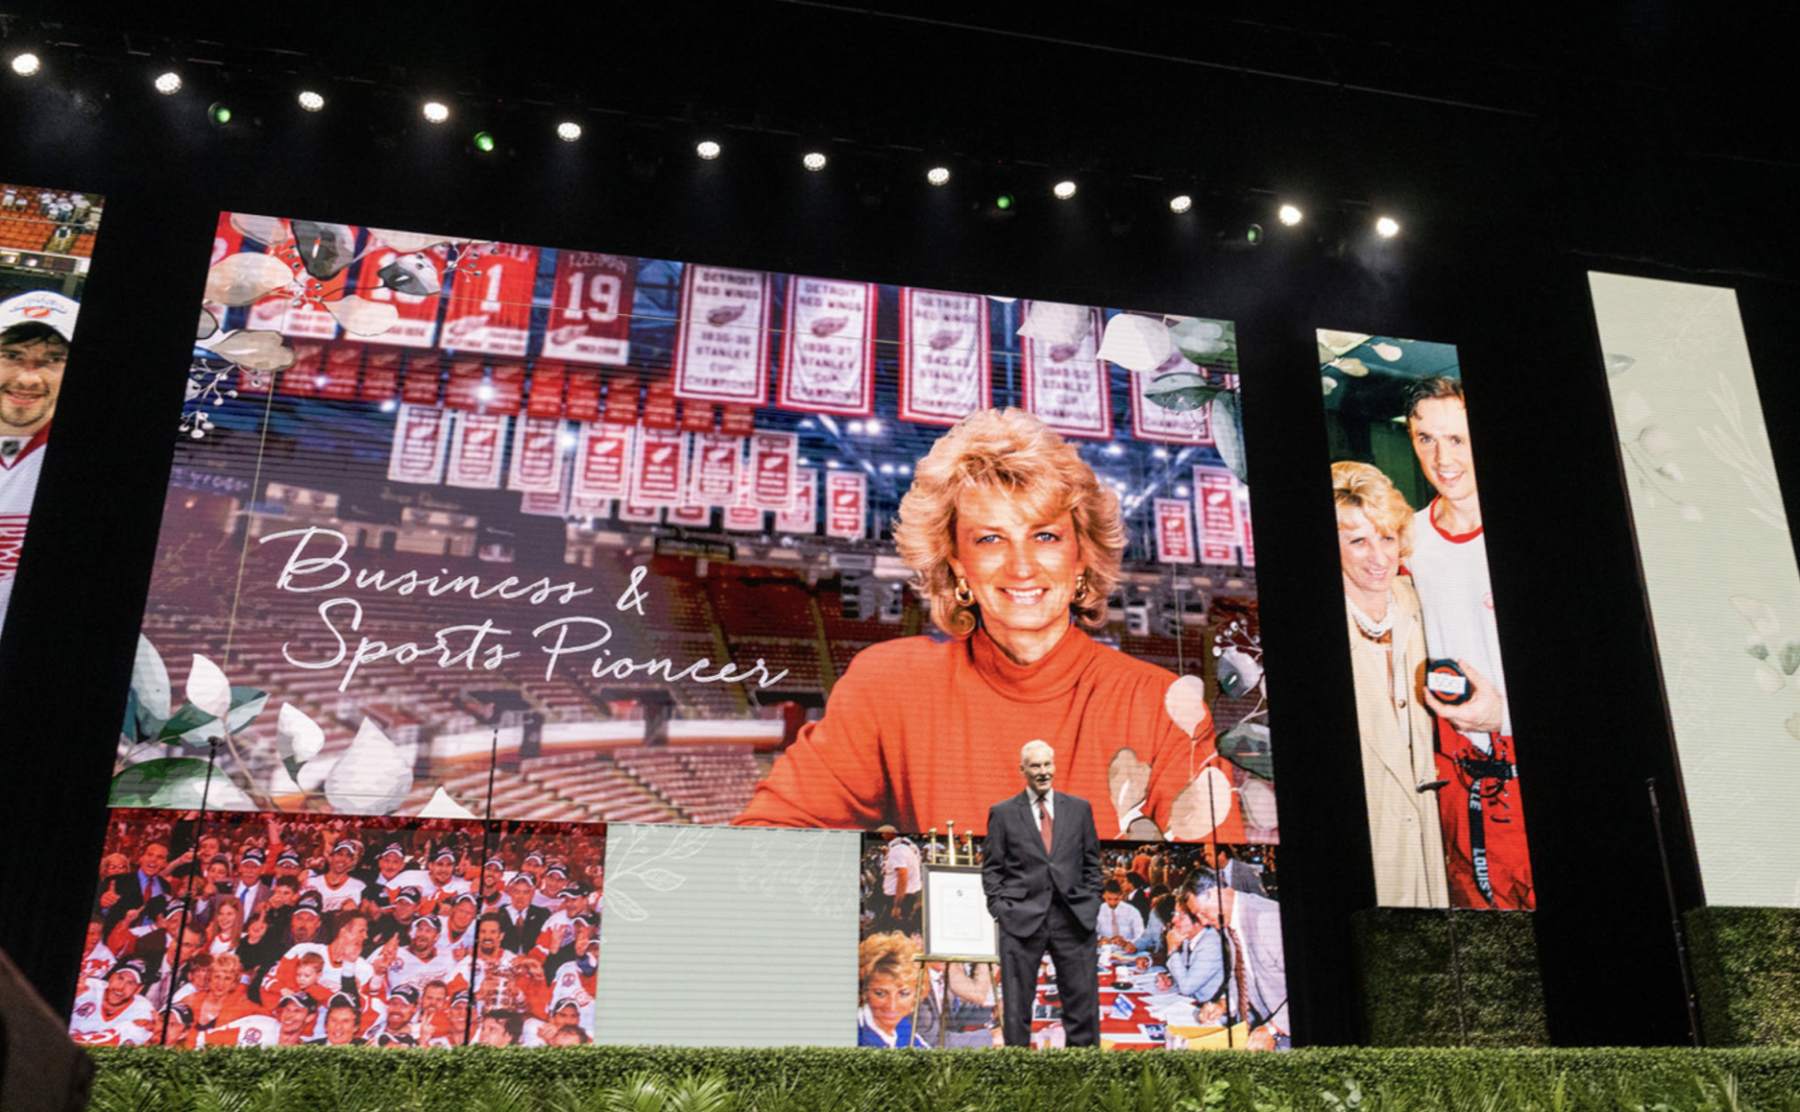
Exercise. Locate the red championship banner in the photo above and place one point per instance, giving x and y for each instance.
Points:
(302, 379)
(490, 300)
(698, 516)
(1068, 384)
(537, 456)
(337, 377)
(466, 378)
(603, 460)
(846, 504)
(944, 373)
(424, 377)
(1150, 421)
(477, 441)
(508, 391)
(741, 516)
(1215, 496)
(828, 347)
(721, 347)
(546, 396)
(804, 517)
(590, 308)
(621, 400)
(659, 466)
(1174, 531)
(713, 473)
(547, 503)
(640, 515)
(381, 375)
(421, 434)
(584, 395)
(659, 405)
(1243, 509)
(419, 270)
(737, 420)
(774, 457)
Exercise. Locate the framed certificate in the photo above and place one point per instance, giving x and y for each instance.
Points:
(957, 923)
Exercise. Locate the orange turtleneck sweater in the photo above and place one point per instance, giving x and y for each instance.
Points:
(921, 732)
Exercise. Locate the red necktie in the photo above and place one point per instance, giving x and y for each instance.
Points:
(1045, 826)
(1243, 986)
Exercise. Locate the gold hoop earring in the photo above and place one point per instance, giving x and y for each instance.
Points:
(1081, 586)
(963, 595)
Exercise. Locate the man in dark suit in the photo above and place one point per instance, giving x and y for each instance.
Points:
(1041, 873)
(521, 921)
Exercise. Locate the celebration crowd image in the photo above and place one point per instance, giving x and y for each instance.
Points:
(248, 929)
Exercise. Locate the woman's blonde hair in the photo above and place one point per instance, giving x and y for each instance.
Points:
(1011, 451)
(1362, 486)
(889, 954)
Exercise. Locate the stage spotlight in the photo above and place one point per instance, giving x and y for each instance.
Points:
(1180, 203)
(1003, 202)
(1290, 215)
(1387, 227)
(311, 101)
(1253, 235)
(938, 175)
(168, 83)
(218, 113)
(25, 63)
(1063, 189)
(708, 149)
(813, 160)
(436, 111)
(484, 142)
(568, 131)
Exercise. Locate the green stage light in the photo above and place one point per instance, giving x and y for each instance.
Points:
(1003, 202)
(219, 113)
(1253, 235)
(484, 142)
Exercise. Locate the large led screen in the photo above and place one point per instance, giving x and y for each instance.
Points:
(46, 241)
(1717, 555)
(1446, 828)
(483, 530)
(489, 534)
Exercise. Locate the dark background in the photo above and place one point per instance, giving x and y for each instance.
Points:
(1633, 137)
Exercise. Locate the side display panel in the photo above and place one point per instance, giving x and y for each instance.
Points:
(46, 240)
(1717, 554)
(1446, 828)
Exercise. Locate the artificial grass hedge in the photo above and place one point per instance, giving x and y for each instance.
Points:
(1746, 964)
(817, 1079)
(1404, 968)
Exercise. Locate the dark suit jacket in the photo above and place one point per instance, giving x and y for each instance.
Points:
(1020, 878)
(524, 936)
(130, 895)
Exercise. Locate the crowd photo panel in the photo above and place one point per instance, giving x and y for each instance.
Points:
(1446, 825)
(472, 551)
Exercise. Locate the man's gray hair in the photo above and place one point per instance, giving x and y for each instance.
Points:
(1038, 743)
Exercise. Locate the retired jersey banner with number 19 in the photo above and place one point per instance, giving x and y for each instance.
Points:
(590, 308)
